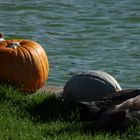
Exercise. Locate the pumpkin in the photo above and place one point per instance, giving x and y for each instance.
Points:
(88, 86)
(23, 63)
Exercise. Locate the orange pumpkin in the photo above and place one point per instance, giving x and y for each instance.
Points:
(23, 63)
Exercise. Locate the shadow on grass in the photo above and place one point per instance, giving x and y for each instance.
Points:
(40, 107)
(52, 108)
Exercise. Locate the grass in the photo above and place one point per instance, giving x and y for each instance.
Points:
(45, 116)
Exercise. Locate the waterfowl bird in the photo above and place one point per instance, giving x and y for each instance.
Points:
(121, 116)
(1, 37)
(132, 104)
(113, 113)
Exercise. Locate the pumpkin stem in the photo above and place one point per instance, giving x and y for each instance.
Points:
(14, 45)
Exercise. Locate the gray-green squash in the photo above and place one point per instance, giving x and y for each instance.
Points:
(89, 86)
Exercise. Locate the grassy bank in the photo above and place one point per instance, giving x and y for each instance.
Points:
(43, 116)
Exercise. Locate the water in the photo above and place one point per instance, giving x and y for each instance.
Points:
(80, 35)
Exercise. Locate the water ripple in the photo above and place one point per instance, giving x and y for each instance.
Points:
(80, 35)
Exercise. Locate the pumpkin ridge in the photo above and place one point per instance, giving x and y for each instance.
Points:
(26, 56)
(43, 65)
(18, 65)
(43, 57)
(5, 73)
(31, 61)
(13, 60)
(34, 59)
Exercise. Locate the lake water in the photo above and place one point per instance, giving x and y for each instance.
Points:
(80, 35)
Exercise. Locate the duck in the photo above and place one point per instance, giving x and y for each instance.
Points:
(112, 113)
(121, 117)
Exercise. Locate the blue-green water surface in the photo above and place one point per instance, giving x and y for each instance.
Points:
(80, 35)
